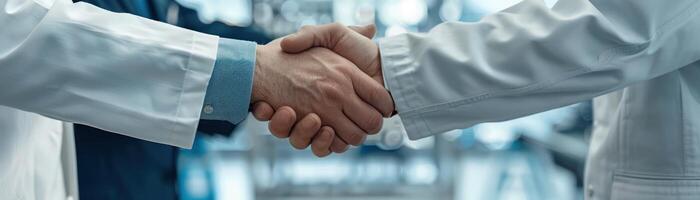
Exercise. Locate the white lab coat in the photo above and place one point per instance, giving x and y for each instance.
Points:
(78, 63)
(638, 57)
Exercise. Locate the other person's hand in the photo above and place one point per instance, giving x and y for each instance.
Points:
(325, 88)
(351, 42)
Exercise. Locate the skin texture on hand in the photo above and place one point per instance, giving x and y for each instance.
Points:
(353, 43)
(322, 144)
(318, 84)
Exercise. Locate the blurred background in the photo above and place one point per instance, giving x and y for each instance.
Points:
(536, 157)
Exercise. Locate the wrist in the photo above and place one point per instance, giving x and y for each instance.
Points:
(258, 82)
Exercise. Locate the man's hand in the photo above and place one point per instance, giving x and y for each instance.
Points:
(352, 43)
(321, 82)
(282, 127)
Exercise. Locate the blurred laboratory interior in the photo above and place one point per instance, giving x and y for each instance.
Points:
(536, 157)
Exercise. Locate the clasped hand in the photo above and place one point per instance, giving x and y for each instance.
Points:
(329, 74)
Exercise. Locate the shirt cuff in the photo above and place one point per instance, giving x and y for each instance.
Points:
(399, 68)
(231, 83)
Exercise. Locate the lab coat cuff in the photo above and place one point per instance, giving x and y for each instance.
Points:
(399, 68)
(199, 68)
(231, 84)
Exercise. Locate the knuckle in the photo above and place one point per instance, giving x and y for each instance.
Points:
(337, 26)
(306, 28)
(330, 90)
(344, 68)
(314, 121)
(302, 138)
(338, 29)
(304, 135)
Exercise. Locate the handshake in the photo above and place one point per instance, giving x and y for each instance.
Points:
(321, 87)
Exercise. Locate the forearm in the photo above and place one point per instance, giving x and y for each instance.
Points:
(131, 76)
(461, 74)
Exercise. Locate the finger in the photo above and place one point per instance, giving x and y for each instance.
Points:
(322, 142)
(363, 115)
(326, 35)
(338, 145)
(263, 111)
(354, 46)
(368, 30)
(373, 93)
(346, 129)
(302, 40)
(282, 122)
(304, 131)
(323, 36)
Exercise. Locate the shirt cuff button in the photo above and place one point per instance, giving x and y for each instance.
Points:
(208, 109)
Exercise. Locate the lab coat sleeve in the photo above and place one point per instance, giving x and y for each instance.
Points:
(530, 58)
(118, 72)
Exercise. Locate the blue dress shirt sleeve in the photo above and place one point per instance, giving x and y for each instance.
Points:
(231, 83)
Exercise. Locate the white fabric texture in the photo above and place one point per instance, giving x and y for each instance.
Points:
(77, 63)
(639, 56)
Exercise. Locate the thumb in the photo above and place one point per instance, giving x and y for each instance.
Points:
(368, 30)
(298, 42)
(322, 36)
